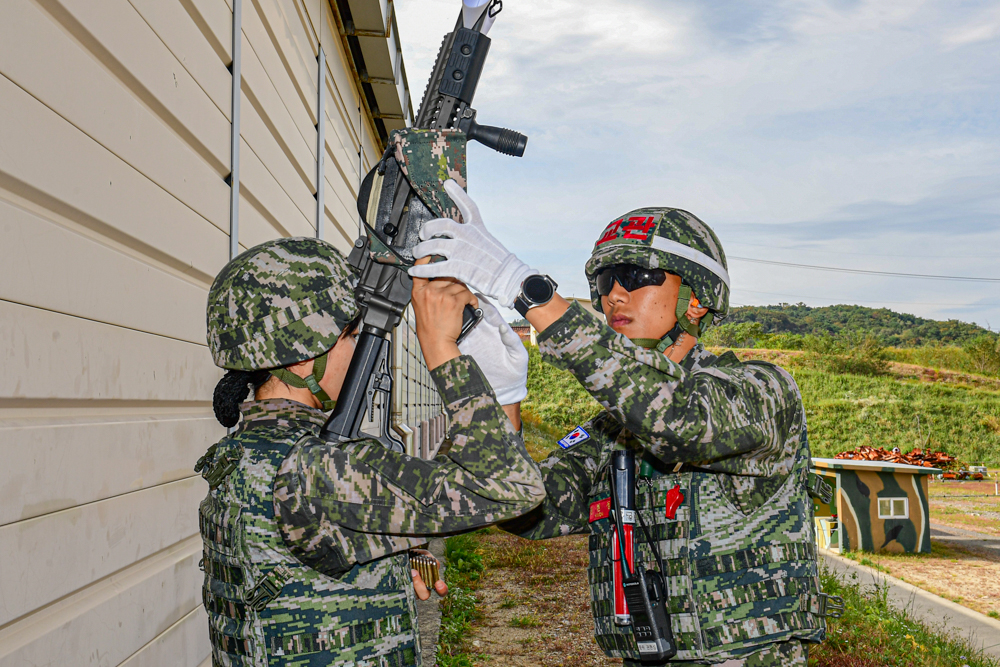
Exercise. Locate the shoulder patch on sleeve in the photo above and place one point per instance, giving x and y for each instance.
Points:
(574, 437)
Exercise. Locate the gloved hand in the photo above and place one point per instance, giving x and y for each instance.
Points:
(499, 353)
(473, 256)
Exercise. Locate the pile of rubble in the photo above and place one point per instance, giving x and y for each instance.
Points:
(918, 457)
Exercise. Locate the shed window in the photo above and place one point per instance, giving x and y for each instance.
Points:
(893, 508)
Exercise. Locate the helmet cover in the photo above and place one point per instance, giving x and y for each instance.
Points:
(669, 239)
(279, 303)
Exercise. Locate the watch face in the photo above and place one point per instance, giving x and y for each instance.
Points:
(537, 289)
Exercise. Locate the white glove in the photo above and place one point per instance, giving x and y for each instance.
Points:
(500, 355)
(473, 256)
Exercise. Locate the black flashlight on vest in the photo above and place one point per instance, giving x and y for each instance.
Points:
(640, 594)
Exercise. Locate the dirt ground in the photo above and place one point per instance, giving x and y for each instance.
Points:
(536, 613)
(536, 610)
(969, 505)
(971, 579)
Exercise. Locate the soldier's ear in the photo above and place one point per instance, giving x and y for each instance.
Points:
(695, 311)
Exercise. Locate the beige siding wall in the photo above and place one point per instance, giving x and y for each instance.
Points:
(114, 217)
(416, 401)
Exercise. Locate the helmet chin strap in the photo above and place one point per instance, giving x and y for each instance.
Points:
(310, 382)
(683, 325)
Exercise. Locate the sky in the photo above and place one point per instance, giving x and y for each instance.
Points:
(852, 134)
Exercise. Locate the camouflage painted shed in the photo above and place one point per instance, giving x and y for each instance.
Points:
(876, 506)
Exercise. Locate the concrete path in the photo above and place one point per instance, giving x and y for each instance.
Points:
(429, 615)
(934, 611)
(966, 538)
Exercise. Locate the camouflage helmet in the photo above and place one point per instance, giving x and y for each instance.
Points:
(669, 239)
(279, 303)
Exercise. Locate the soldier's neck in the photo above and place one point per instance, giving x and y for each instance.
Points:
(278, 389)
(684, 344)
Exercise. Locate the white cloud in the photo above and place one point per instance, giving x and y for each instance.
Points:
(982, 29)
(857, 122)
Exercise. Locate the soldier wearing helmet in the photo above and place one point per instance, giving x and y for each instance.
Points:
(720, 445)
(305, 541)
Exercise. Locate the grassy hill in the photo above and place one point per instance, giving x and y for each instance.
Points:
(904, 406)
(892, 328)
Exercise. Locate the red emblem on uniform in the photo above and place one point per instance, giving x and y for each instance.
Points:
(610, 232)
(600, 509)
(638, 228)
(674, 499)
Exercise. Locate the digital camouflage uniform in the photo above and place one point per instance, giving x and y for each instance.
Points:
(305, 540)
(741, 565)
(330, 540)
(724, 465)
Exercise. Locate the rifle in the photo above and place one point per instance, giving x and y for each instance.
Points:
(393, 214)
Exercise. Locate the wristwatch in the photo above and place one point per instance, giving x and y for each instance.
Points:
(536, 290)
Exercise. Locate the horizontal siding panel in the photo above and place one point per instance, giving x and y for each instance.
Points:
(295, 176)
(313, 13)
(214, 19)
(341, 172)
(119, 288)
(282, 215)
(53, 463)
(345, 214)
(184, 643)
(286, 54)
(189, 46)
(344, 100)
(254, 227)
(341, 152)
(105, 623)
(51, 556)
(47, 160)
(118, 36)
(46, 355)
(333, 234)
(41, 58)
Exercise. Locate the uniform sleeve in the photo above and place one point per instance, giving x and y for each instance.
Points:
(368, 502)
(568, 475)
(734, 418)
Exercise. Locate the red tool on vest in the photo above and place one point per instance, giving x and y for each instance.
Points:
(674, 499)
(623, 470)
(640, 594)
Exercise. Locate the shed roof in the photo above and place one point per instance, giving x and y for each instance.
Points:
(873, 466)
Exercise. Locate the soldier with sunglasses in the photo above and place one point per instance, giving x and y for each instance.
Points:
(720, 448)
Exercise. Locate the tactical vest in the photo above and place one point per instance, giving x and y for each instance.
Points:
(265, 608)
(735, 581)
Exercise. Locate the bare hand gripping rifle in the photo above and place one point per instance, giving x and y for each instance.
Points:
(394, 211)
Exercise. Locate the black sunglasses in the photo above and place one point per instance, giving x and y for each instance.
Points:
(630, 276)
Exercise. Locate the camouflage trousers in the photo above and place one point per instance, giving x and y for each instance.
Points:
(784, 654)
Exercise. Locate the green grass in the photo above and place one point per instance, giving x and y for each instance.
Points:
(528, 621)
(940, 358)
(844, 410)
(555, 399)
(873, 632)
(458, 609)
(870, 633)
